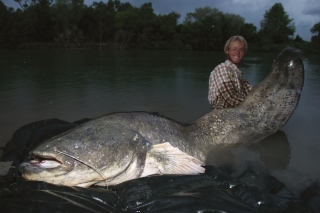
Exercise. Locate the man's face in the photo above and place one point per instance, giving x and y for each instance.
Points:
(235, 52)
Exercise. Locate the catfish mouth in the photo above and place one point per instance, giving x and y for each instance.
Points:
(48, 167)
(43, 161)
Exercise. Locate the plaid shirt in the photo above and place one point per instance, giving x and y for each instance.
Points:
(227, 87)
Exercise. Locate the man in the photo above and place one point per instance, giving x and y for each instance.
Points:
(227, 87)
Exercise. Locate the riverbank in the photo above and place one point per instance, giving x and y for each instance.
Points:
(308, 47)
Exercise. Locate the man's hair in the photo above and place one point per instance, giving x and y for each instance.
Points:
(235, 38)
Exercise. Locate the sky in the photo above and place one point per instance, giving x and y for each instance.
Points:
(305, 13)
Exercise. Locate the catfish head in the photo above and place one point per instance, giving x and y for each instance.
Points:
(94, 153)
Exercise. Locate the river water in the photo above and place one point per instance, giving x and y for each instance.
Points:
(75, 84)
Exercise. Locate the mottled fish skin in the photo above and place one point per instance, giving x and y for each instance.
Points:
(122, 146)
(265, 110)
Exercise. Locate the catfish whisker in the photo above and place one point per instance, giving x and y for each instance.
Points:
(95, 169)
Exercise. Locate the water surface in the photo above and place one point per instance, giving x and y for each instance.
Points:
(75, 84)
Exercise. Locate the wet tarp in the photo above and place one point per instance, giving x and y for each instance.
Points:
(214, 191)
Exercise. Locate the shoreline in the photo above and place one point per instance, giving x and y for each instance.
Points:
(307, 47)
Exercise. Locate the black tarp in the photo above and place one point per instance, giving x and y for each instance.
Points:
(214, 191)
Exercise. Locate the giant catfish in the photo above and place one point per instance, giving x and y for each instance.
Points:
(121, 146)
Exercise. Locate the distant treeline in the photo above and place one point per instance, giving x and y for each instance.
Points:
(72, 24)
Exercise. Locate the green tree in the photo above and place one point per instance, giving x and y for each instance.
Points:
(168, 35)
(70, 22)
(145, 26)
(5, 21)
(202, 29)
(276, 25)
(249, 32)
(36, 24)
(232, 25)
(125, 25)
(208, 28)
(67, 15)
(38, 17)
(315, 30)
(97, 21)
(298, 39)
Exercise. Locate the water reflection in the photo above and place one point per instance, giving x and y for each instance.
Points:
(274, 152)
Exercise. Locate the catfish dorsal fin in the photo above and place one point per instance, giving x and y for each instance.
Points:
(166, 159)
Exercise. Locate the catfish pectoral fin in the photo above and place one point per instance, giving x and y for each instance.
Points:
(166, 159)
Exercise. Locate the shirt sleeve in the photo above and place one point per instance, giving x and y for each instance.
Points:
(246, 86)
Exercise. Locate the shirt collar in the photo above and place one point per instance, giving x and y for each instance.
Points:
(233, 66)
